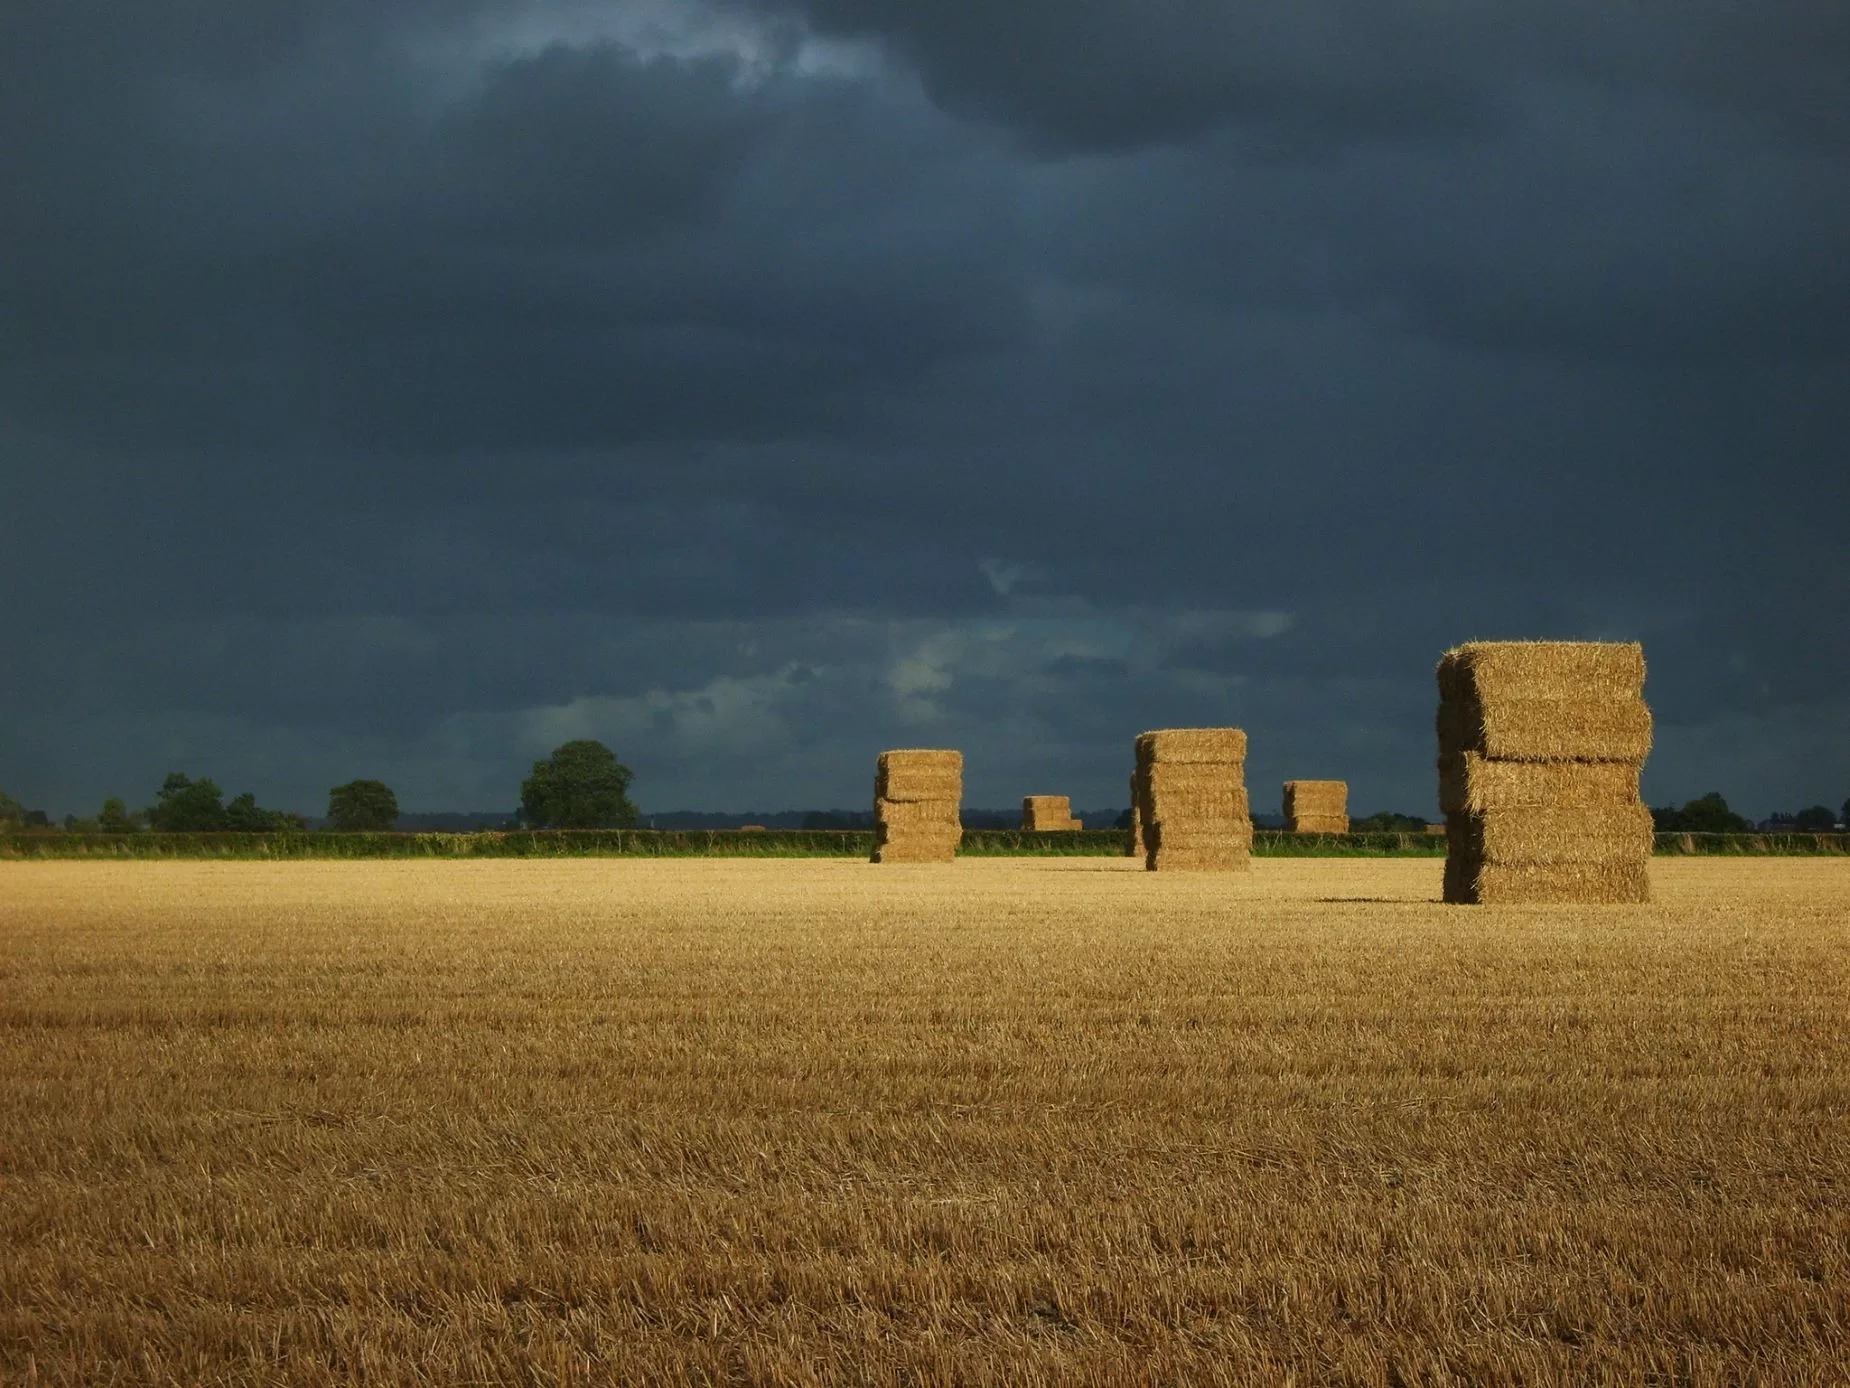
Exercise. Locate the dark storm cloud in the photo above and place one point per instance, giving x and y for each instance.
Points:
(585, 248)
(390, 389)
(1107, 74)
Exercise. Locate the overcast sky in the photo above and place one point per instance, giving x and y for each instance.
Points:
(397, 388)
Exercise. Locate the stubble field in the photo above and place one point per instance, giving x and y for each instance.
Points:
(1009, 1121)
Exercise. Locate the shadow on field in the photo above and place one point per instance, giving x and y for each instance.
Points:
(1381, 900)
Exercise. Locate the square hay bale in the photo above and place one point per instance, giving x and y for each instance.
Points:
(1547, 729)
(1041, 813)
(917, 850)
(1133, 847)
(1576, 834)
(1473, 883)
(920, 774)
(1491, 671)
(1318, 824)
(1471, 783)
(917, 792)
(1184, 848)
(1317, 807)
(1544, 701)
(1166, 779)
(924, 813)
(1216, 745)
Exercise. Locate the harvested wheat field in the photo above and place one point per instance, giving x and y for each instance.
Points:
(1032, 1121)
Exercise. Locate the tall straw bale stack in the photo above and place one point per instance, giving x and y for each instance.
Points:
(1540, 748)
(1191, 807)
(1042, 813)
(917, 793)
(1317, 807)
(1133, 846)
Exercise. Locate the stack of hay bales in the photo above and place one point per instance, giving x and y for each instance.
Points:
(1192, 804)
(1540, 746)
(1317, 807)
(1041, 813)
(916, 797)
(1133, 847)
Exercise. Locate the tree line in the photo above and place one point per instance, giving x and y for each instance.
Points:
(581, 785)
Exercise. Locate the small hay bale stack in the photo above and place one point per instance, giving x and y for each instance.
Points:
(1317, 807)
(917, 792)
(1192, 803)
(1540, 746)
(1044, 813)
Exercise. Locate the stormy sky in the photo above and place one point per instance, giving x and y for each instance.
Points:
(397, 389)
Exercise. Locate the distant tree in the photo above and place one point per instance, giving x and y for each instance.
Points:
(1707, 814)
(1815, 819)
(114, 818)
(1845, 821)
(581, 785)
(362, 805)
(1123, 821)
(12, 813)
(838, 819)
(186, 806)
(246, 816)
(1387, 822)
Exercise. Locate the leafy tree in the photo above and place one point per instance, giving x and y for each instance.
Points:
(186, 806)
(362, 805)
(1707, 814)
(1816, 819)
(114, 818)
(246, 816)
(12, 813)
(581, 785)
(1845, 821)
(1387, 822)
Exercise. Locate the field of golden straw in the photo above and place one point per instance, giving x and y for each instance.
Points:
(1004, 1121)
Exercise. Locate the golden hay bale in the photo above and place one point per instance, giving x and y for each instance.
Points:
(912, 849)
(1472, 883)
(752, 829)
(1547, 729)
(1191, 802)
(920, 774)
(923, 758)
(1133, 847)
(1471, 783)
(1317, 807)
(1218, 745)
(924, 812)
(917, 792)
(1166, 779)
(1223, 855)
(1041, 813)
(1577, 834)
(1318, 824)
(1490, 671)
